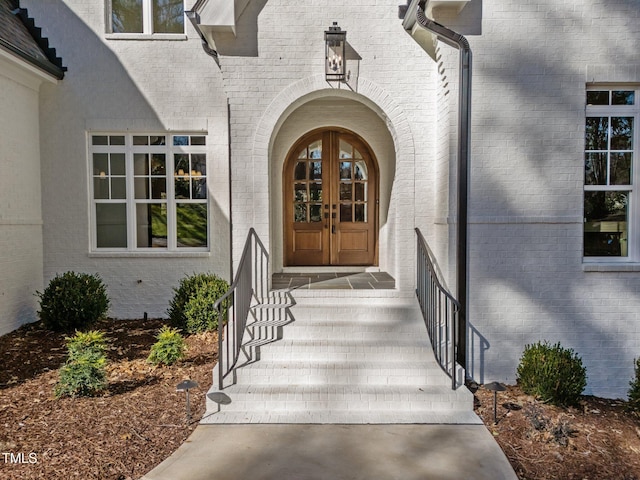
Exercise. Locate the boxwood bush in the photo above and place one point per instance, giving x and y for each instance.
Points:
(634, 390)
(84, 373)
(552, 373)
(73, 301)
(191, 308)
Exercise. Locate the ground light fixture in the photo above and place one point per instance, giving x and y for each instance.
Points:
(335, 40)
(495, 387)
(185, 386)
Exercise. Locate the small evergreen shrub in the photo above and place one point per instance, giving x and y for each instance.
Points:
(552, 373)
(84, 373)
(634, 391)
(169, 348)
(191, 308)
(72, 301)
(86, 342)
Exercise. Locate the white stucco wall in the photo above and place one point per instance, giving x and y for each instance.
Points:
(20, 205)
(130, 86)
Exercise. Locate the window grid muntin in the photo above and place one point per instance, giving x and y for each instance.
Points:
(308, 185)
(129, 150)
(633, 224)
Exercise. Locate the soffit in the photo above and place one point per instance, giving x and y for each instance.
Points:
(220, 14)
(432, 8)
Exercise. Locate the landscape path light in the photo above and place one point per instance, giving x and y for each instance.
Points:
(185, 386)
(495, 387)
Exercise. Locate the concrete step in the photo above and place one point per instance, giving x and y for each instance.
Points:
(338, 329)
(450, 417)
(339, 297)
(362, 398)
(318, 357)
(321, 350)
(342, 373)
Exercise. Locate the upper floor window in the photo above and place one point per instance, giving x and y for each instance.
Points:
(611, 203)
(147, 16)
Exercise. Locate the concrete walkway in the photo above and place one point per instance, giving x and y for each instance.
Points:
(334, 386)
(337, 452)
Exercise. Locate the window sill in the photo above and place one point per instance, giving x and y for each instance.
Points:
(163, 254)
(611, 267)
(145, 36)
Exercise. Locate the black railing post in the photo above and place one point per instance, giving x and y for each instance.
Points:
(440, 311)
(237, 303)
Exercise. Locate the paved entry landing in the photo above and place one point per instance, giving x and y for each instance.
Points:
(337, 452)
(334, 281)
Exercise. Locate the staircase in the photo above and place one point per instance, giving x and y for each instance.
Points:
(338, 357)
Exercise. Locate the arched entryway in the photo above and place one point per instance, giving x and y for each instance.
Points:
(330, 207)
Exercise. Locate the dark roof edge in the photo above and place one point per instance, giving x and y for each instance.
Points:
(48, 67)
(55, 67)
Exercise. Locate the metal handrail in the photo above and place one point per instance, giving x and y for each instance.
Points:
(250, 282)
(440, 310)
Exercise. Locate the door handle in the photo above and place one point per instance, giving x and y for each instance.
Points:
(333, 229)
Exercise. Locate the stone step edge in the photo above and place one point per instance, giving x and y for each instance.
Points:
(346, 297)
(454, 417)
(358, 325)
(344, 390)
(341, 364)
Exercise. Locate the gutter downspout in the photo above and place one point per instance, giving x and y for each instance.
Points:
(194, 17)
(459, 42)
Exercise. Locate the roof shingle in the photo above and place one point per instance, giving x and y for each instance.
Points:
(19, 35)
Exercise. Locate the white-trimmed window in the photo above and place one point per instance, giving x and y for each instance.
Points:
(149, 192)
(611, 204)
(146, 16)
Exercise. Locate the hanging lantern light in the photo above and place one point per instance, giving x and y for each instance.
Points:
(335, 40)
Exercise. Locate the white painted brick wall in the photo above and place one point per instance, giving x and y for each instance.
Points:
(531, 61)
(526, 276)
(20, 212)
(291, 60)
(128, 86)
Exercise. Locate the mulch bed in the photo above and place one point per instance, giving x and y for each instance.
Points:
(599, 440)
(122, 434)
(141, 419)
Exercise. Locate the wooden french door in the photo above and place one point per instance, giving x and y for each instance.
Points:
(330, 201)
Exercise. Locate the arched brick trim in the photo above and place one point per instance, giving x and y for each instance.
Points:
(378, 100)
(314, 87)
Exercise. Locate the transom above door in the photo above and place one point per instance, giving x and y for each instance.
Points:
(330, 201)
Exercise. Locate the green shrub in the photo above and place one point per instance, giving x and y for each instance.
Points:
(169, 348)
(86, 342)
(634, 391)
(552, 373)
(191, 308)
(84, 373)
(73, 300)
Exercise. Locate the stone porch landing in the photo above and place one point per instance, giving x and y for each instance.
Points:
(333, 281)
